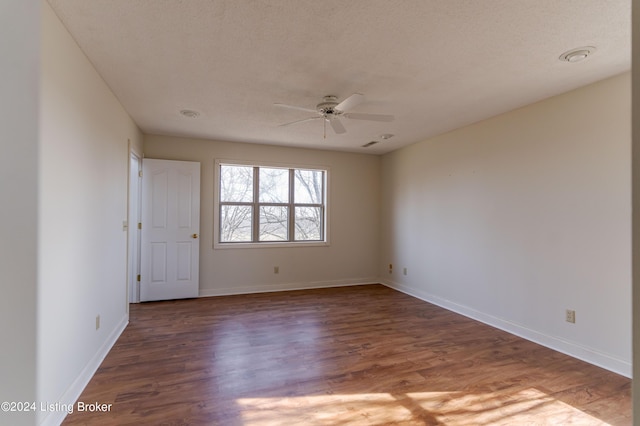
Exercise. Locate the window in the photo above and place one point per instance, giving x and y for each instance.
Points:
(259, 204)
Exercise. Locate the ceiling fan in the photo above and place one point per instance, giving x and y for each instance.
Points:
(330, 110)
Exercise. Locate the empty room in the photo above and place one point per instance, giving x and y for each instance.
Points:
(317, 213)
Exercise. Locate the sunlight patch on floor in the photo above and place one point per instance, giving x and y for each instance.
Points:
(528, 406)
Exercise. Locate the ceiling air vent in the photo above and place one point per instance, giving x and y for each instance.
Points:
(367, 145)
(189, 113)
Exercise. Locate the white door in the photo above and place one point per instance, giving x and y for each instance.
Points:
(170, 229)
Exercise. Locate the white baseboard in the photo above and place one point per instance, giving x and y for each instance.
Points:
(573, 349)
(74, 391)
(247, 289)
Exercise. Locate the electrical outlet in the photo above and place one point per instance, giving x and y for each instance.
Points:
(570, 316)
(276, 269)
(391, 268)
(97, 322)
(404, 271)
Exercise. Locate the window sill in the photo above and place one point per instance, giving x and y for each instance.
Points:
(298, 244)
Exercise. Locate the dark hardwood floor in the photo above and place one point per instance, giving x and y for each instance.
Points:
(364, 355)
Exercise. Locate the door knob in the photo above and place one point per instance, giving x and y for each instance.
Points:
(194, 236)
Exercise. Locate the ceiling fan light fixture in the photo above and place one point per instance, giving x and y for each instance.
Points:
(578, 54)
(189, 113)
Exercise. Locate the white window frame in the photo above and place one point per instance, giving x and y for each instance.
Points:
(268, 244)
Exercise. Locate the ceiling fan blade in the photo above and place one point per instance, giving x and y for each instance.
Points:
(337, 125)
(295, 107)
(350, 102)
(298, 121)
(370, 117)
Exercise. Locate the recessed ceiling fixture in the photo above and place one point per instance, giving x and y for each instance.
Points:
(386, 136)
(189, 113)
(578, 54)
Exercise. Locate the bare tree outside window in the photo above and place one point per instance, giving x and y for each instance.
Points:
(274, 219)
(271, 204)
(273, 223)
(308, 223)
(309, 189)
(235, 223)
(309, 186)
(274, 185)
(236, 186)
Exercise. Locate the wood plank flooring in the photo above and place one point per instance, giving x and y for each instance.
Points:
(364, 355)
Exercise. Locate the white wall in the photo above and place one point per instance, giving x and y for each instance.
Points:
(515, 219)
(352, 255)
(84, 135)
(635, 70)
(19, 59)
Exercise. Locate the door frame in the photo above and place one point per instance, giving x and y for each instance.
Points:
(133, 219)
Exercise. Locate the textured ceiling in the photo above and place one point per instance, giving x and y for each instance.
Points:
(436, 65)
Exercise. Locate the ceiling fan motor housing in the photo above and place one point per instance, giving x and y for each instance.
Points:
(328, 106)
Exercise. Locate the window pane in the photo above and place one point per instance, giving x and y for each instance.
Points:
(236, 183)
(273, 223)
(235, 223)
(308, 186)
(308, 223)
(274, 185)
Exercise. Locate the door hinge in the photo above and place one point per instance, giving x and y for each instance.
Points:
(139, 225)
(138, 278)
